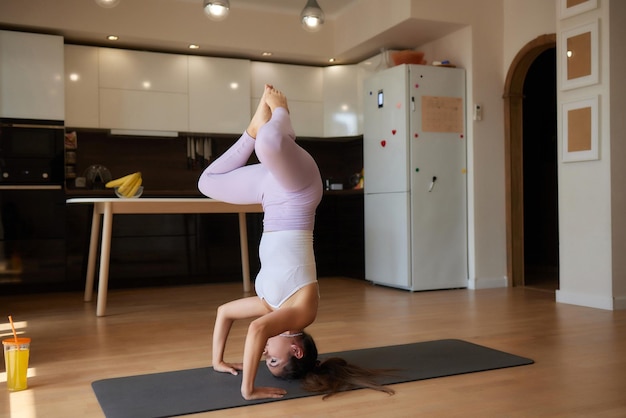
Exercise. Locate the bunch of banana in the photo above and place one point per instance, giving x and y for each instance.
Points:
(128, 185)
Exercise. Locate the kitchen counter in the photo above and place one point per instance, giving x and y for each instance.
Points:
(106, 207)
(165, 193)
(147, 193)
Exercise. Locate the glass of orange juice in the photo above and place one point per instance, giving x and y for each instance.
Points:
(16, 355)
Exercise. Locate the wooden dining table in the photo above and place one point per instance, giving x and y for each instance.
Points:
(102, 220)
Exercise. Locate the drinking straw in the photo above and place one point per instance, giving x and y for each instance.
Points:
(13, 328)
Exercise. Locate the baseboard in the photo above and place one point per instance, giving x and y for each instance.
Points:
(590, 301)
(619, 303)
(487, 283)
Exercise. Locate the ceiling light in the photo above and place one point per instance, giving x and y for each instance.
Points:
(194, 46)
(312, 16)
(216, 9)
(107, 4)
(112, 38)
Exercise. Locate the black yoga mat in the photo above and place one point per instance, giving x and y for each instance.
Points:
(199, 390)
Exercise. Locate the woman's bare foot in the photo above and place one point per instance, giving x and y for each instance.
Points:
(261, 116)
(275, 98)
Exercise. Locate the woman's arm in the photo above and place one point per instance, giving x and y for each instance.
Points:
(298, 314)
(250, 307)
(256, 338)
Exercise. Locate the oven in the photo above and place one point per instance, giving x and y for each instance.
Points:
(31, 152)
(32, 205)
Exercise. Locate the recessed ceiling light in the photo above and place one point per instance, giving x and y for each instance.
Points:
(331, 60)
(267, 54)
(194, 46)
(112, 38)
(107, 3)
(216, 9)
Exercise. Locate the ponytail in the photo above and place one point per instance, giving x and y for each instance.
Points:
(336, 374)
(332, 375)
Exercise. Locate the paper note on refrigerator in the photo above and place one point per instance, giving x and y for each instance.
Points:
(442, 114)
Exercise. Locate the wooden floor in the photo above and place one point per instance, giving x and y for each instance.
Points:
(580, 353)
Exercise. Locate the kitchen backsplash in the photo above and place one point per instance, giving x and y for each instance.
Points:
(168, 168)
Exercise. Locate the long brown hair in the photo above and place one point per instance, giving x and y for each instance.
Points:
(331, 375)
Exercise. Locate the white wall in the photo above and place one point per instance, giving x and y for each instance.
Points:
(592, 202)
(585, 218)
(488, 147)
(525, 20)
(590, 230)
(457, 48)
(479, 50)
(617, 13)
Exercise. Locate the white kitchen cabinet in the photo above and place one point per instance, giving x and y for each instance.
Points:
(143, 111)
(298, 82)
(342, 100)
(302, 119)
(307, 118)
(93, 87)
(145, 71)
(31, 76)
(219, 95)
(303, 87)
(143, 91)
(81, 87)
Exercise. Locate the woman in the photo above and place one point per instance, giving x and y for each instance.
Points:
(287, 182)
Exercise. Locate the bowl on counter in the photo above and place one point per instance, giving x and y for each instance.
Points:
(136, 195)
(408, 57)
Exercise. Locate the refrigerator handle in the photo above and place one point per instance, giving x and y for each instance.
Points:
(432, 184)
(412, 103)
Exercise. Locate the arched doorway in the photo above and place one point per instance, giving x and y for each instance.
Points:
(541, 211)
(514, 151)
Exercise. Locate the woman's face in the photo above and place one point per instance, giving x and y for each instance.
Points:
(278, 351)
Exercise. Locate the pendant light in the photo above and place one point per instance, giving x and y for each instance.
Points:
(216, 9)
(107, 4)
(312, 16)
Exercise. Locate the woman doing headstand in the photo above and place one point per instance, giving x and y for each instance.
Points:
(287, 182)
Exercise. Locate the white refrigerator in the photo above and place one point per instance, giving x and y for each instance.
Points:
(414, 149)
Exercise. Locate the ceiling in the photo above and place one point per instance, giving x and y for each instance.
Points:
(330, 7)
(252, 27)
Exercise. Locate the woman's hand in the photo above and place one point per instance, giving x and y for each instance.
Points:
(263, 393)
(232, 368)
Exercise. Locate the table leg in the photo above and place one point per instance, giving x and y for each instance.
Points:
(105, 253)
(93, 254)
(243, 242)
